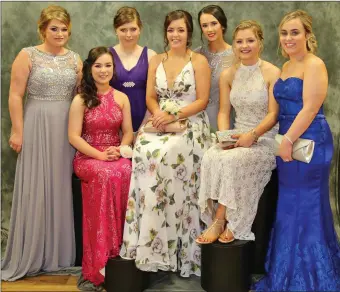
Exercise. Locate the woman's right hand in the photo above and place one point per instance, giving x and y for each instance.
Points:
(110, 154)
(15, 142)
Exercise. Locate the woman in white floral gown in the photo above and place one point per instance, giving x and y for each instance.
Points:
(235, 178)
(162, 219)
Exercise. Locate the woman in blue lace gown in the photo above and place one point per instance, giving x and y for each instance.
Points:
(304, 253)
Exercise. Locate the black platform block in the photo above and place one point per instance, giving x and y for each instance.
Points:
(263, 224)
(226, 267)
(78, 218)
(122, 276)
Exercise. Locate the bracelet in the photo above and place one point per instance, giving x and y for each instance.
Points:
(255, 136)
(290, 141)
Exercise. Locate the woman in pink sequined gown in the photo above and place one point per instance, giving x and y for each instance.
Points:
(96, 117)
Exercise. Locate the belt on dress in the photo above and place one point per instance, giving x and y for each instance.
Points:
(292, 117)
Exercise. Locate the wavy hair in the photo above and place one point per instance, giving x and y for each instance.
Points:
(88, 88)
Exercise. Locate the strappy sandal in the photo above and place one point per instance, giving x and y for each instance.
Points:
(223, 238)
(216, 229)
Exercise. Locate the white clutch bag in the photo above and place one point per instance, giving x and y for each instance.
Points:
(303, 149)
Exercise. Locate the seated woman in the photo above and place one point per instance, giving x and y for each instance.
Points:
(236, 177)
(162, 219)
(96, 117)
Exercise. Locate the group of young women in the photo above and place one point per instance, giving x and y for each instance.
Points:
(149, 209)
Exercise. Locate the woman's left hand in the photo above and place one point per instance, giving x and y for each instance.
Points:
(285, 150)
(160, 121)
(113, 150)
(244, 140)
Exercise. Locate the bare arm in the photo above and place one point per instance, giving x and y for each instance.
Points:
(79, 75)
(151, 95)
(202, 81)
(19, 77)
(127, 122)
(223, 116)
(270, 119)
(151, 53)
(75, 127)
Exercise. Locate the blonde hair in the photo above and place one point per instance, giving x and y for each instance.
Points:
(126, 15)
(306, 21)
(255, 27)
(50, 13)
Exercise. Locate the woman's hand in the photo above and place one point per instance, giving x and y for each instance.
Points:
(111, 153)
(160, 119)
(15, 142)
(285, 150)
(244, 140)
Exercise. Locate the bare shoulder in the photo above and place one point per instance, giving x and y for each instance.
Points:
(199, 61)
(78, 101)
(121, 97)
(156, 60)
(270, 69)
(151, 53)
(314, 62)
(229, 73)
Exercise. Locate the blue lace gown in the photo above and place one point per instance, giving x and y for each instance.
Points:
(304, 253)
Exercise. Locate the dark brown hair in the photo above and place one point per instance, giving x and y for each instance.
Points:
(175, 15)
(126, 15)
(88, 88)
(218, 13)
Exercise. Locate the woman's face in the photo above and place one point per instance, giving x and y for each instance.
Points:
(246, 45)
(102, 69)
(293, 37)
(211, 28)
(56, 33)
(128, 33)
(177, 34)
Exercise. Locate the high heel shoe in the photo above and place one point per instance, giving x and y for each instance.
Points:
(212, 233)
(224, 238)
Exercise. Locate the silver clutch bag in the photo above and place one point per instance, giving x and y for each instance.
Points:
(303, 149)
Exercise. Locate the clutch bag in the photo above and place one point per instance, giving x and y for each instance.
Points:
(303, 149)
(174, 127)
(224, 137)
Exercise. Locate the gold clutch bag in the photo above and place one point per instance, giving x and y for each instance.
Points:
(174, 127)
(303, 149)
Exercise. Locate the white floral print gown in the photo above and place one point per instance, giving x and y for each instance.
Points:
(163, 218)
(236, 178)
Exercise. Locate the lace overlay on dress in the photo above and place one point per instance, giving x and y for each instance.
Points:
(52, 77)
(236, 177)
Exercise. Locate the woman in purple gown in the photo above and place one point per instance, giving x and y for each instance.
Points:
(131, 62)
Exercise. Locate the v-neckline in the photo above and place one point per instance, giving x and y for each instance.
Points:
(179, 74)
(120, 61)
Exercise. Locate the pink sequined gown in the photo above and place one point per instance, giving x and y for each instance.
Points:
(105, 187)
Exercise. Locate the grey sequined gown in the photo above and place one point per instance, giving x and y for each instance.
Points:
(41, 236)
(217, 62)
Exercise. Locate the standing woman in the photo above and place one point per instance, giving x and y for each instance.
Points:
(213, 24)
(132, 62)
(162, 217)
(304, 253)
(41, 234)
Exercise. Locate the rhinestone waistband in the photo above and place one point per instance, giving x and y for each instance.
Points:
(49, 97)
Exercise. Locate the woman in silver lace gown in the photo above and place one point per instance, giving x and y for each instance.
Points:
(235, 178)
(213, 24)
(41, 236)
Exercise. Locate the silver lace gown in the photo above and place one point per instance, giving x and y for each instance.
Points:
(217, 63)
(236, 177)
(41, 236)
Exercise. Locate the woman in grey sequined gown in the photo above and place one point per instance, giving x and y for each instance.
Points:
(213, 24)
(41, 235)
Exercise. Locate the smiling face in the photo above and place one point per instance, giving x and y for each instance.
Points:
(211, 27)
(246, 45)
(102, 69)
(56, 33)
(128, 33)
(293, 37)
(177, 34)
